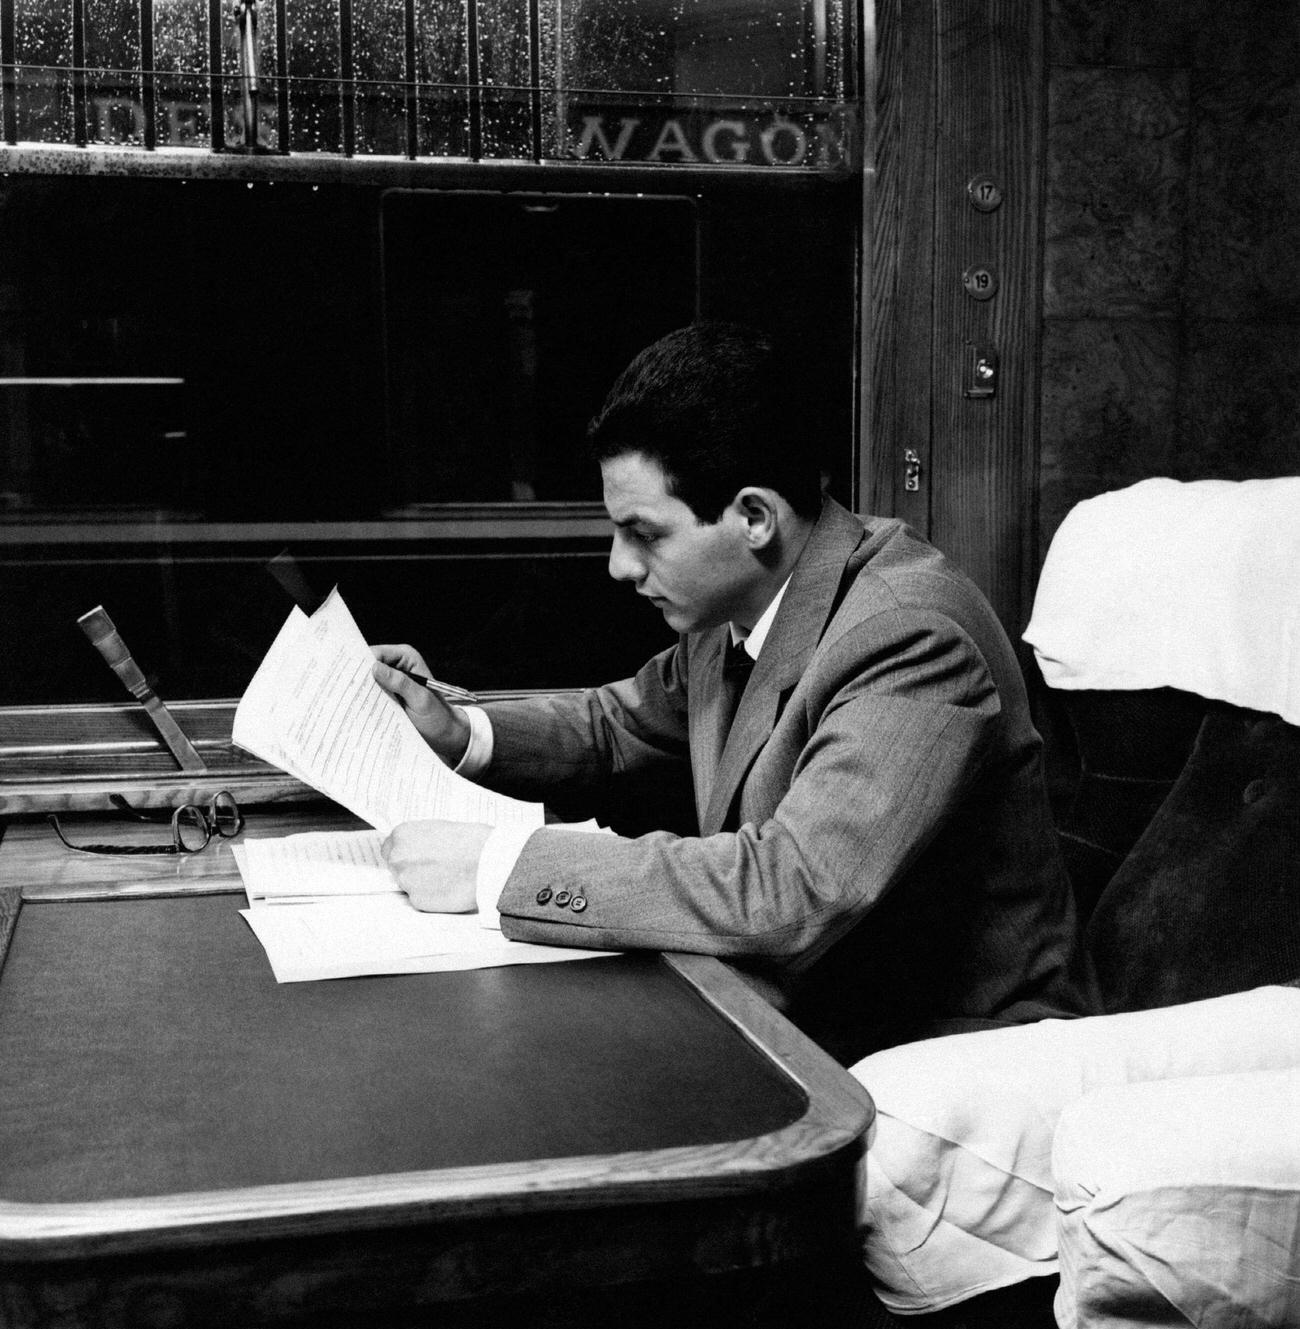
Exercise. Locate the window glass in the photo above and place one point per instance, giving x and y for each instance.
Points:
(379, 68)
(43, 76)
(701, 48)
(506, 319)
(669, 82)
(505, 63)
(204, 367)
(313, 67)
(182, 109)
(114, 111)
(196, 377)
(684, 82)
(441, 64)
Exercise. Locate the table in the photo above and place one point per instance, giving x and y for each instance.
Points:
(185, 1142)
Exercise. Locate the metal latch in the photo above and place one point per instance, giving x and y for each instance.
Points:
(981, 378)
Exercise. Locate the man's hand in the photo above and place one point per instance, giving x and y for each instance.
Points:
(443, 727)
(436, 863)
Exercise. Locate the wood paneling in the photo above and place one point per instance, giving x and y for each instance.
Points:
(990, 96)
(960, 94)
(902, 225)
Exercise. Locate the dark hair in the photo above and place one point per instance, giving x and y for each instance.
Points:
(714, 406)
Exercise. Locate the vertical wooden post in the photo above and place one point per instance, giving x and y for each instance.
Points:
(960, 95)
(901, 324)
(991, 101)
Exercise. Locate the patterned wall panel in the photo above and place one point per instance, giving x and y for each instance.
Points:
(1119, 32)
(1110, 390)
(1172, 250)
(1116, 189)
(1239, 401)
(1243, 242)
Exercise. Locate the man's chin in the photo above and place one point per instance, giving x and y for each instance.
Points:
(674, 617)
(682, 623)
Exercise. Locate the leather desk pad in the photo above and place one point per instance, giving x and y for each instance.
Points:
(145, 1049)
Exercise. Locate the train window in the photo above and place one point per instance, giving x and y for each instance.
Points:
(332, 287)
(751, 83)
(507, 317)
(195, 376)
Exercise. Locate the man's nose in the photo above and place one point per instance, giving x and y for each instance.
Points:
(624, 565)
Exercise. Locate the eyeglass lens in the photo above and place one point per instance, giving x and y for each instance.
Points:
(227, 820)
(191, 829)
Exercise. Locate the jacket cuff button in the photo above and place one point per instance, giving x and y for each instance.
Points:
(562, 898)
(578, 903)
(544, 895)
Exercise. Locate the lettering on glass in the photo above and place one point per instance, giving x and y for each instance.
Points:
(766, 140)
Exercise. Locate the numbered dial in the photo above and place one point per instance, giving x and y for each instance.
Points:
(985, 194)
(980, 281)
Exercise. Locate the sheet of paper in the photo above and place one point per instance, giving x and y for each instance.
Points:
(314, 709)
(313, 865)
(384, 934)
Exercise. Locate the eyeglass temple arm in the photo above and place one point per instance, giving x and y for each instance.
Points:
(104, 637)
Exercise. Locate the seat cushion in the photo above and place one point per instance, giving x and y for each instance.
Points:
(1179, 1203)
(958, 1185)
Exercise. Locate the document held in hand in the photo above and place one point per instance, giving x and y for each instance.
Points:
(324, 905)
(315, 710)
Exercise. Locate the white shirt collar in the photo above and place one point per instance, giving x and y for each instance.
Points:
(757, 635)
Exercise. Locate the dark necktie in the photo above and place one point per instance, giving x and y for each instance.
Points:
(737, 665)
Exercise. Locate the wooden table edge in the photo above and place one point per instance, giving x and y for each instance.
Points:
(832, 1130)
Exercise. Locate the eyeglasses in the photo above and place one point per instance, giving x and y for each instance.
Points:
(193, 826)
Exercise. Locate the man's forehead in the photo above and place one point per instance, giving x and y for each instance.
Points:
(636, 488)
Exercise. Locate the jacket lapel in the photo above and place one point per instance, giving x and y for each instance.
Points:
(707, 712)
(725, 757)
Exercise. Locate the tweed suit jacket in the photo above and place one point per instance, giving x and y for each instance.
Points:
(874, 846)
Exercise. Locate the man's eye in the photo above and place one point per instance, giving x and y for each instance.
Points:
(648, 537)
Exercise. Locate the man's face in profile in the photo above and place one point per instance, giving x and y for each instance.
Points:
(698, 574)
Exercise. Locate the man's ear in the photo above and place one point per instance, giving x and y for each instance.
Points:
(758, 508)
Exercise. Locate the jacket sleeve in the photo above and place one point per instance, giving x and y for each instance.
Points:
(618, 753)
(884, 733)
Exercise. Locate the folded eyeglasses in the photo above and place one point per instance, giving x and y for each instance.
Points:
(193, 825)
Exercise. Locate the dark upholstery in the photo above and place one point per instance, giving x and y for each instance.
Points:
(1130, 748)
(1183, 840)
(1208, 900)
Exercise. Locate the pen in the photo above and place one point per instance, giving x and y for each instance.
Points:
(448, 691)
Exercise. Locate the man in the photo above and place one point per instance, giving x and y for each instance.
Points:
(874, 848)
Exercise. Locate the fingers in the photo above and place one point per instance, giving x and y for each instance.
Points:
(401, 657)
(414, 696)
(436, 863)
(442, 727)
(424, 705)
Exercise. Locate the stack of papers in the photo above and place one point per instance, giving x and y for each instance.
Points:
(323, 903)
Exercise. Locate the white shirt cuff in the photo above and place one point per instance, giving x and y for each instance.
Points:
(478, 751)
(501, 852)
